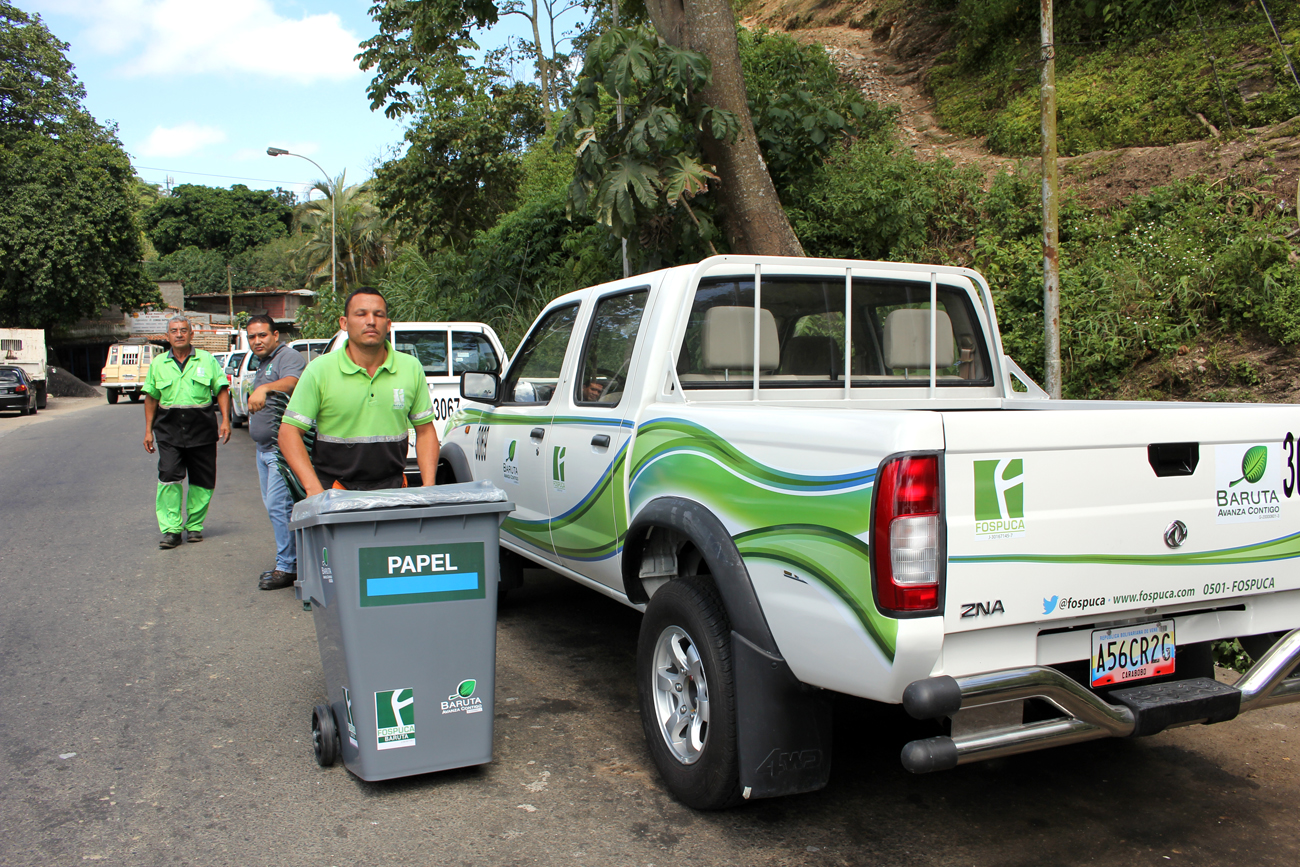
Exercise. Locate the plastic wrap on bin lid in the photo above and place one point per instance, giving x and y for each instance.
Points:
(334, 501)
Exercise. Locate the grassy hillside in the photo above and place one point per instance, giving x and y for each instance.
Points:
(1179, 256)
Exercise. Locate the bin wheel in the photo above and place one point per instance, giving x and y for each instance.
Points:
(324, 736)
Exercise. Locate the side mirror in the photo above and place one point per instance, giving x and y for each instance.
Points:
(479, 386)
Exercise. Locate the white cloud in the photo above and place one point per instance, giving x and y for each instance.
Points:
(180, 141)
(181, 37)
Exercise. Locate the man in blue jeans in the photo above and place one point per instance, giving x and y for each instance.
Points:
(278, 369)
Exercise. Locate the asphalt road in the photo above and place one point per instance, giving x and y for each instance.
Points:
(155, 709)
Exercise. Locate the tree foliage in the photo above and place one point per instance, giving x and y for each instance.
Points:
(634, 175)
(69, 242)
(461, 166)
(210, 218)
(363, 234)
(416, 39)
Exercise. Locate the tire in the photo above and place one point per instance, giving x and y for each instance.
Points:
(238, 420)
(112, 394)
(41, 398)
(684, 655)
(135, 397)
(25, 410)
(324, 736)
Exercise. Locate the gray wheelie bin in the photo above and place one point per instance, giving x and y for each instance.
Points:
(403, 591)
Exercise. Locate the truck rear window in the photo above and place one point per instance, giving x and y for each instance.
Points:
(802, 335)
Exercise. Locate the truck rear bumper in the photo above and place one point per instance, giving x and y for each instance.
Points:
(1141, 711)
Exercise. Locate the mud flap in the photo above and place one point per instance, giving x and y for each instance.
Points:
(783, 727)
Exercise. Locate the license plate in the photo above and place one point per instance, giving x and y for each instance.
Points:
(1129, 653)
(128, 376)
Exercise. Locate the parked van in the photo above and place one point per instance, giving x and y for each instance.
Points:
(126, 369)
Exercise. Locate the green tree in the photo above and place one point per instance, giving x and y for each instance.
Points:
(363, 234)
(211, 218)
(69, 242)
(462, 163)
(634, 176)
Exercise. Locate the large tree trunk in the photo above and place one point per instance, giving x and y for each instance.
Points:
(752, 216)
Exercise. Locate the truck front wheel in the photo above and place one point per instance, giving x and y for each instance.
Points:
(112, 394)
(687, 691)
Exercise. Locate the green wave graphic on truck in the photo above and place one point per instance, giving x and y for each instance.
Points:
(1283, 548)
(681, 458)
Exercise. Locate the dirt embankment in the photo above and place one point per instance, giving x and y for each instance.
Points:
(887, 53)
(887, 56)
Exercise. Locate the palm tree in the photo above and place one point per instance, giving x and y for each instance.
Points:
(365, 237)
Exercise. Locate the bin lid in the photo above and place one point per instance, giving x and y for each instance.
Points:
(335, 501)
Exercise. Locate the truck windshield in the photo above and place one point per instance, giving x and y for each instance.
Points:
(802, 335)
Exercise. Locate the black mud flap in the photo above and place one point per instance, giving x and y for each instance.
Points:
(783, 726)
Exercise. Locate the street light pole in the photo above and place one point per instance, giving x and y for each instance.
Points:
(334, 257)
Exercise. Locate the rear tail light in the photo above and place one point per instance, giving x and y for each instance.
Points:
(20, 389)
(906, 534)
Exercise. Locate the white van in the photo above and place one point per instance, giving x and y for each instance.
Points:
(446, 350)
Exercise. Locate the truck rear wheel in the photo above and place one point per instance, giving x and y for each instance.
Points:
(135, 397)
(112, 394)
(41, 395)
(687, 692)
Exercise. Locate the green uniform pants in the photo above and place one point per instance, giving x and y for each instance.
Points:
(174, 464)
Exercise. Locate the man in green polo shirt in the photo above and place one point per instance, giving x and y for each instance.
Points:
(362, 399)
(178, 395)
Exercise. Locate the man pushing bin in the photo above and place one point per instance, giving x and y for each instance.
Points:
(362, 399)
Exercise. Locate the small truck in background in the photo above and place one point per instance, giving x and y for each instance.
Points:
(25, 348)
(889, 509)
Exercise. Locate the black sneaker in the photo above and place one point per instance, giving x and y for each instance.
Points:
(278, 580)
(194, 536)
(170, 540)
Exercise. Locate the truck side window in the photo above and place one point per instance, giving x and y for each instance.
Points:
(607, 353)
(536, 369)
(472, 351)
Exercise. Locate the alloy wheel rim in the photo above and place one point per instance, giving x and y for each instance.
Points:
(681, 694)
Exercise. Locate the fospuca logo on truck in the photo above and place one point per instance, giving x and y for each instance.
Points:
(1000, 498)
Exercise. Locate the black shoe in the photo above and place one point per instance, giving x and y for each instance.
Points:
(194, 536)
(170, 540)
(278, 580)
(265, 576)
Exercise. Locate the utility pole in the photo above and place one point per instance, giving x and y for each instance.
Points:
(626, 268)
(230, 296)
(1051, 233)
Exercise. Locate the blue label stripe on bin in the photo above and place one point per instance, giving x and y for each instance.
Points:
(403, 585)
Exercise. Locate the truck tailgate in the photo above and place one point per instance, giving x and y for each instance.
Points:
(1053, 514)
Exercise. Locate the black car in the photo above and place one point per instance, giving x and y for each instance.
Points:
(17, 391)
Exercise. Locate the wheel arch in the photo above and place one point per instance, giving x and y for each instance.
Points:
(699, 526)
(454, 458)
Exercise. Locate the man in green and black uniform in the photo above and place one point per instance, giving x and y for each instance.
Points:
(178, 395)
(362, 399)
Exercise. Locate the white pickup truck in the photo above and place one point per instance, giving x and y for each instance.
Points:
(928, 530)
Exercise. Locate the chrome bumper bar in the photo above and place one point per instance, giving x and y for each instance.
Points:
(1088, 716)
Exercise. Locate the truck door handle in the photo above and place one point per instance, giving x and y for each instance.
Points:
(537, 433)
(601, 440)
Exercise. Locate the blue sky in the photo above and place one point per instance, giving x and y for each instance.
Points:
(200, 88)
